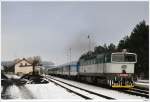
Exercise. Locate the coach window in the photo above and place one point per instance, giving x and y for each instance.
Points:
(94, 61)
(98, 60)
(86, 62)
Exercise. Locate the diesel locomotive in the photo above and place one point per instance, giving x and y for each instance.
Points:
(112, 69)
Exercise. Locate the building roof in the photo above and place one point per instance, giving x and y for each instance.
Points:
(22, 60)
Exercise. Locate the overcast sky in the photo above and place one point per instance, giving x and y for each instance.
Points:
(49, 29)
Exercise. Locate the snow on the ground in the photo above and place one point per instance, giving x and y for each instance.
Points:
(12, 76)
(50, 91)
(1, 89)
(143, 81)
(40, 91)
(14, 92)
(145, 85)
(104, 91)
(80, 91)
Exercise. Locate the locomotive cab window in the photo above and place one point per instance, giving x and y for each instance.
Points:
(118, 57)
(129, 58)
(123, 57)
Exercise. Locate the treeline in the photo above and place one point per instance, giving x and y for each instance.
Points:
(137, 42)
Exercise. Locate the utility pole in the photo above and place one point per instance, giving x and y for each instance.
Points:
(89, 43)
(67, 56)
(70, 61)
(70, 55)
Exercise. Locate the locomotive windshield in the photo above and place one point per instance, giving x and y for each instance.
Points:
(124, 57)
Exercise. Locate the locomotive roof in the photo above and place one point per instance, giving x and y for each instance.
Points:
(106, 53)
(96, 56)
(123, 53)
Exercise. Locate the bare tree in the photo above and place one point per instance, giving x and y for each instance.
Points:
(36, 61)
(16, 60)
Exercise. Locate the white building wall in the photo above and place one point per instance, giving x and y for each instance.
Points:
(24, 69)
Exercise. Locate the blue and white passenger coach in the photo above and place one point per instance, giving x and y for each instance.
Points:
(68, 70)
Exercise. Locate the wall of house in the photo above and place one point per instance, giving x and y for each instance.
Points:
(23, 67)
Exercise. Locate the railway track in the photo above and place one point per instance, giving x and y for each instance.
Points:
(140, 90)
(86, 94)
(137, 92)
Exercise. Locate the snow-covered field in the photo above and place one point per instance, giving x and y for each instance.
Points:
(12, 76)
(145, 85)
(50, 91)
(40, 91)
(54, 92)
(143, 81)
(1, 88)
(104, 91)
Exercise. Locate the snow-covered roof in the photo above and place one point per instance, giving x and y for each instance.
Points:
(23, 60)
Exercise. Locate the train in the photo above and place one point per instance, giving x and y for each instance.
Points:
(115, 69)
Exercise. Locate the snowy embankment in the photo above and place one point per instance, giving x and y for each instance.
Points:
(104, 91)
(36, 91)
(14, 92)
(40, 91)
(50, 91)
(142, 83)
(1, 89)
(13, 76)
(17, 92)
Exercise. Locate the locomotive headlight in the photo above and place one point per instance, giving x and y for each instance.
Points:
(124, 67)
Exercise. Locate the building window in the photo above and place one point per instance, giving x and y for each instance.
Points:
(25, 64)
(21, 64)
